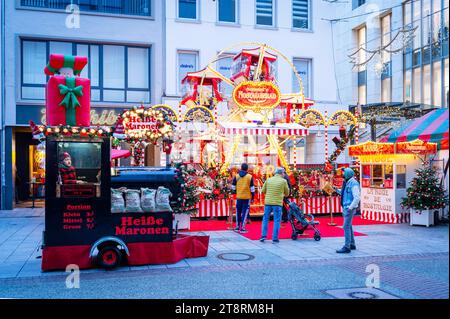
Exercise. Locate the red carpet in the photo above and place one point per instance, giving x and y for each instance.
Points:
(254, 228)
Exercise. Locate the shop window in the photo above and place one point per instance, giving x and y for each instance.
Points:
(303, 67)
(388, 176)
(79, 169)
(401, 176)
(187, 62)
(377, 175)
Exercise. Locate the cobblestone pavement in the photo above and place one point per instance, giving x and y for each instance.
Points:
(412, 263)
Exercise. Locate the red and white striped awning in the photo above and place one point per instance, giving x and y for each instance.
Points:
(281, 129)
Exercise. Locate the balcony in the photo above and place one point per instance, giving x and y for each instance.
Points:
(122, 7)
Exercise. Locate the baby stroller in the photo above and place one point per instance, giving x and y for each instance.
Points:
(300, 221)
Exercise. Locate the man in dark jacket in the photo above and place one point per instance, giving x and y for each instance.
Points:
(244, 189)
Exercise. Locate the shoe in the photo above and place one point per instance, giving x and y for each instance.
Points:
(262, 239)
(343, 250)
(352, 247)
(236, 229)
(275, 241)
(244, 231)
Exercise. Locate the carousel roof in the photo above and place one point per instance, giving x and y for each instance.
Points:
(281, 129)
(255, 52)
(296, 99)
(206, 74)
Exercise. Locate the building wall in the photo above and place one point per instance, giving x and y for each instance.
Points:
(94, 28)
(369, 15)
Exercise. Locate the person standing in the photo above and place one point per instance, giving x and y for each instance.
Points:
(275, 189)
(244, 188)
(350, 197)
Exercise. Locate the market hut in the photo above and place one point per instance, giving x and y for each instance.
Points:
(386, 171)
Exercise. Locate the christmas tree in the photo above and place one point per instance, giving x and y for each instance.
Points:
(189, 196)
(425, 192)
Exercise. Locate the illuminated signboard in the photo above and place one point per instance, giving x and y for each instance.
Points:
(257, 96)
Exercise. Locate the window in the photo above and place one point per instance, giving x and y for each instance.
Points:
(128, 7)
(117, 73)
(79, 169)
(437, 84)
(362, 71)
(187, 9)
(300, 14)
(303, 67)
(417, 86)
(265, 12)
(446, 89)
(357, 3)
(407, 86)
(187, 62)
(224, 67)
(401, 176)
(426, 89)
(227, 11)
(34, 57)
(386, 85)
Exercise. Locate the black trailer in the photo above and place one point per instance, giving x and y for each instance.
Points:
(80, 228)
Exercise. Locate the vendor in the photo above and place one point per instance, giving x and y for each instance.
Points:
(67, 171)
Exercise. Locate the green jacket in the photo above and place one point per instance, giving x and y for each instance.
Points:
(275, 189)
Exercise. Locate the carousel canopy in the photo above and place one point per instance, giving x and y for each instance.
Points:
(207, 74)
(282, 129)
(432, 127)
(255, 52)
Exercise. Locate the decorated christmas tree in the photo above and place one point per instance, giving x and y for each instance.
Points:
(425, 191)
(189, 196)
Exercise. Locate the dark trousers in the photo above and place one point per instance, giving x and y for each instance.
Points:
(242, 208)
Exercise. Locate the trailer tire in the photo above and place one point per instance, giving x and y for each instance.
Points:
(109, 257)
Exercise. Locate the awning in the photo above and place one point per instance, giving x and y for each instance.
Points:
(281, 129)
(432, 127)
(115, 154)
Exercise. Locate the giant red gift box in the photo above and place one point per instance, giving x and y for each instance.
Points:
(56, 114)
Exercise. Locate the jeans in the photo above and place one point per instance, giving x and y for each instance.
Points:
(242, 208)
(277, 210)
(348, 229)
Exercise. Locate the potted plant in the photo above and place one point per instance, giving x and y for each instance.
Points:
(185, 204)
(424, 196)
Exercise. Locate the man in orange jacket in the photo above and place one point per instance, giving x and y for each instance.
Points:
(244, 189)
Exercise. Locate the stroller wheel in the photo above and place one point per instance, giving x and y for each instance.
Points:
(317, 237)
(294, 236)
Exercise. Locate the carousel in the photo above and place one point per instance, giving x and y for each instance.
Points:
(257, 123)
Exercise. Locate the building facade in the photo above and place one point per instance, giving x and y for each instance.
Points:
(123, 40)
(399, 51)
(197, 31)
(139, 50)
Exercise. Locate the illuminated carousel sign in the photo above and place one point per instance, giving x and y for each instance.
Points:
(257, 96)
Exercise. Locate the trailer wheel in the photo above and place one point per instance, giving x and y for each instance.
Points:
(109, 257)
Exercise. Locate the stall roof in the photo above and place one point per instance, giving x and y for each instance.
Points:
(206, 73)
(432, 127)
(282, 129)
(115, 154)
(255, 52)
(295, 99)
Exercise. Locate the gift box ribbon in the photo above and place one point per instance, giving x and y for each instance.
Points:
(70, 101)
